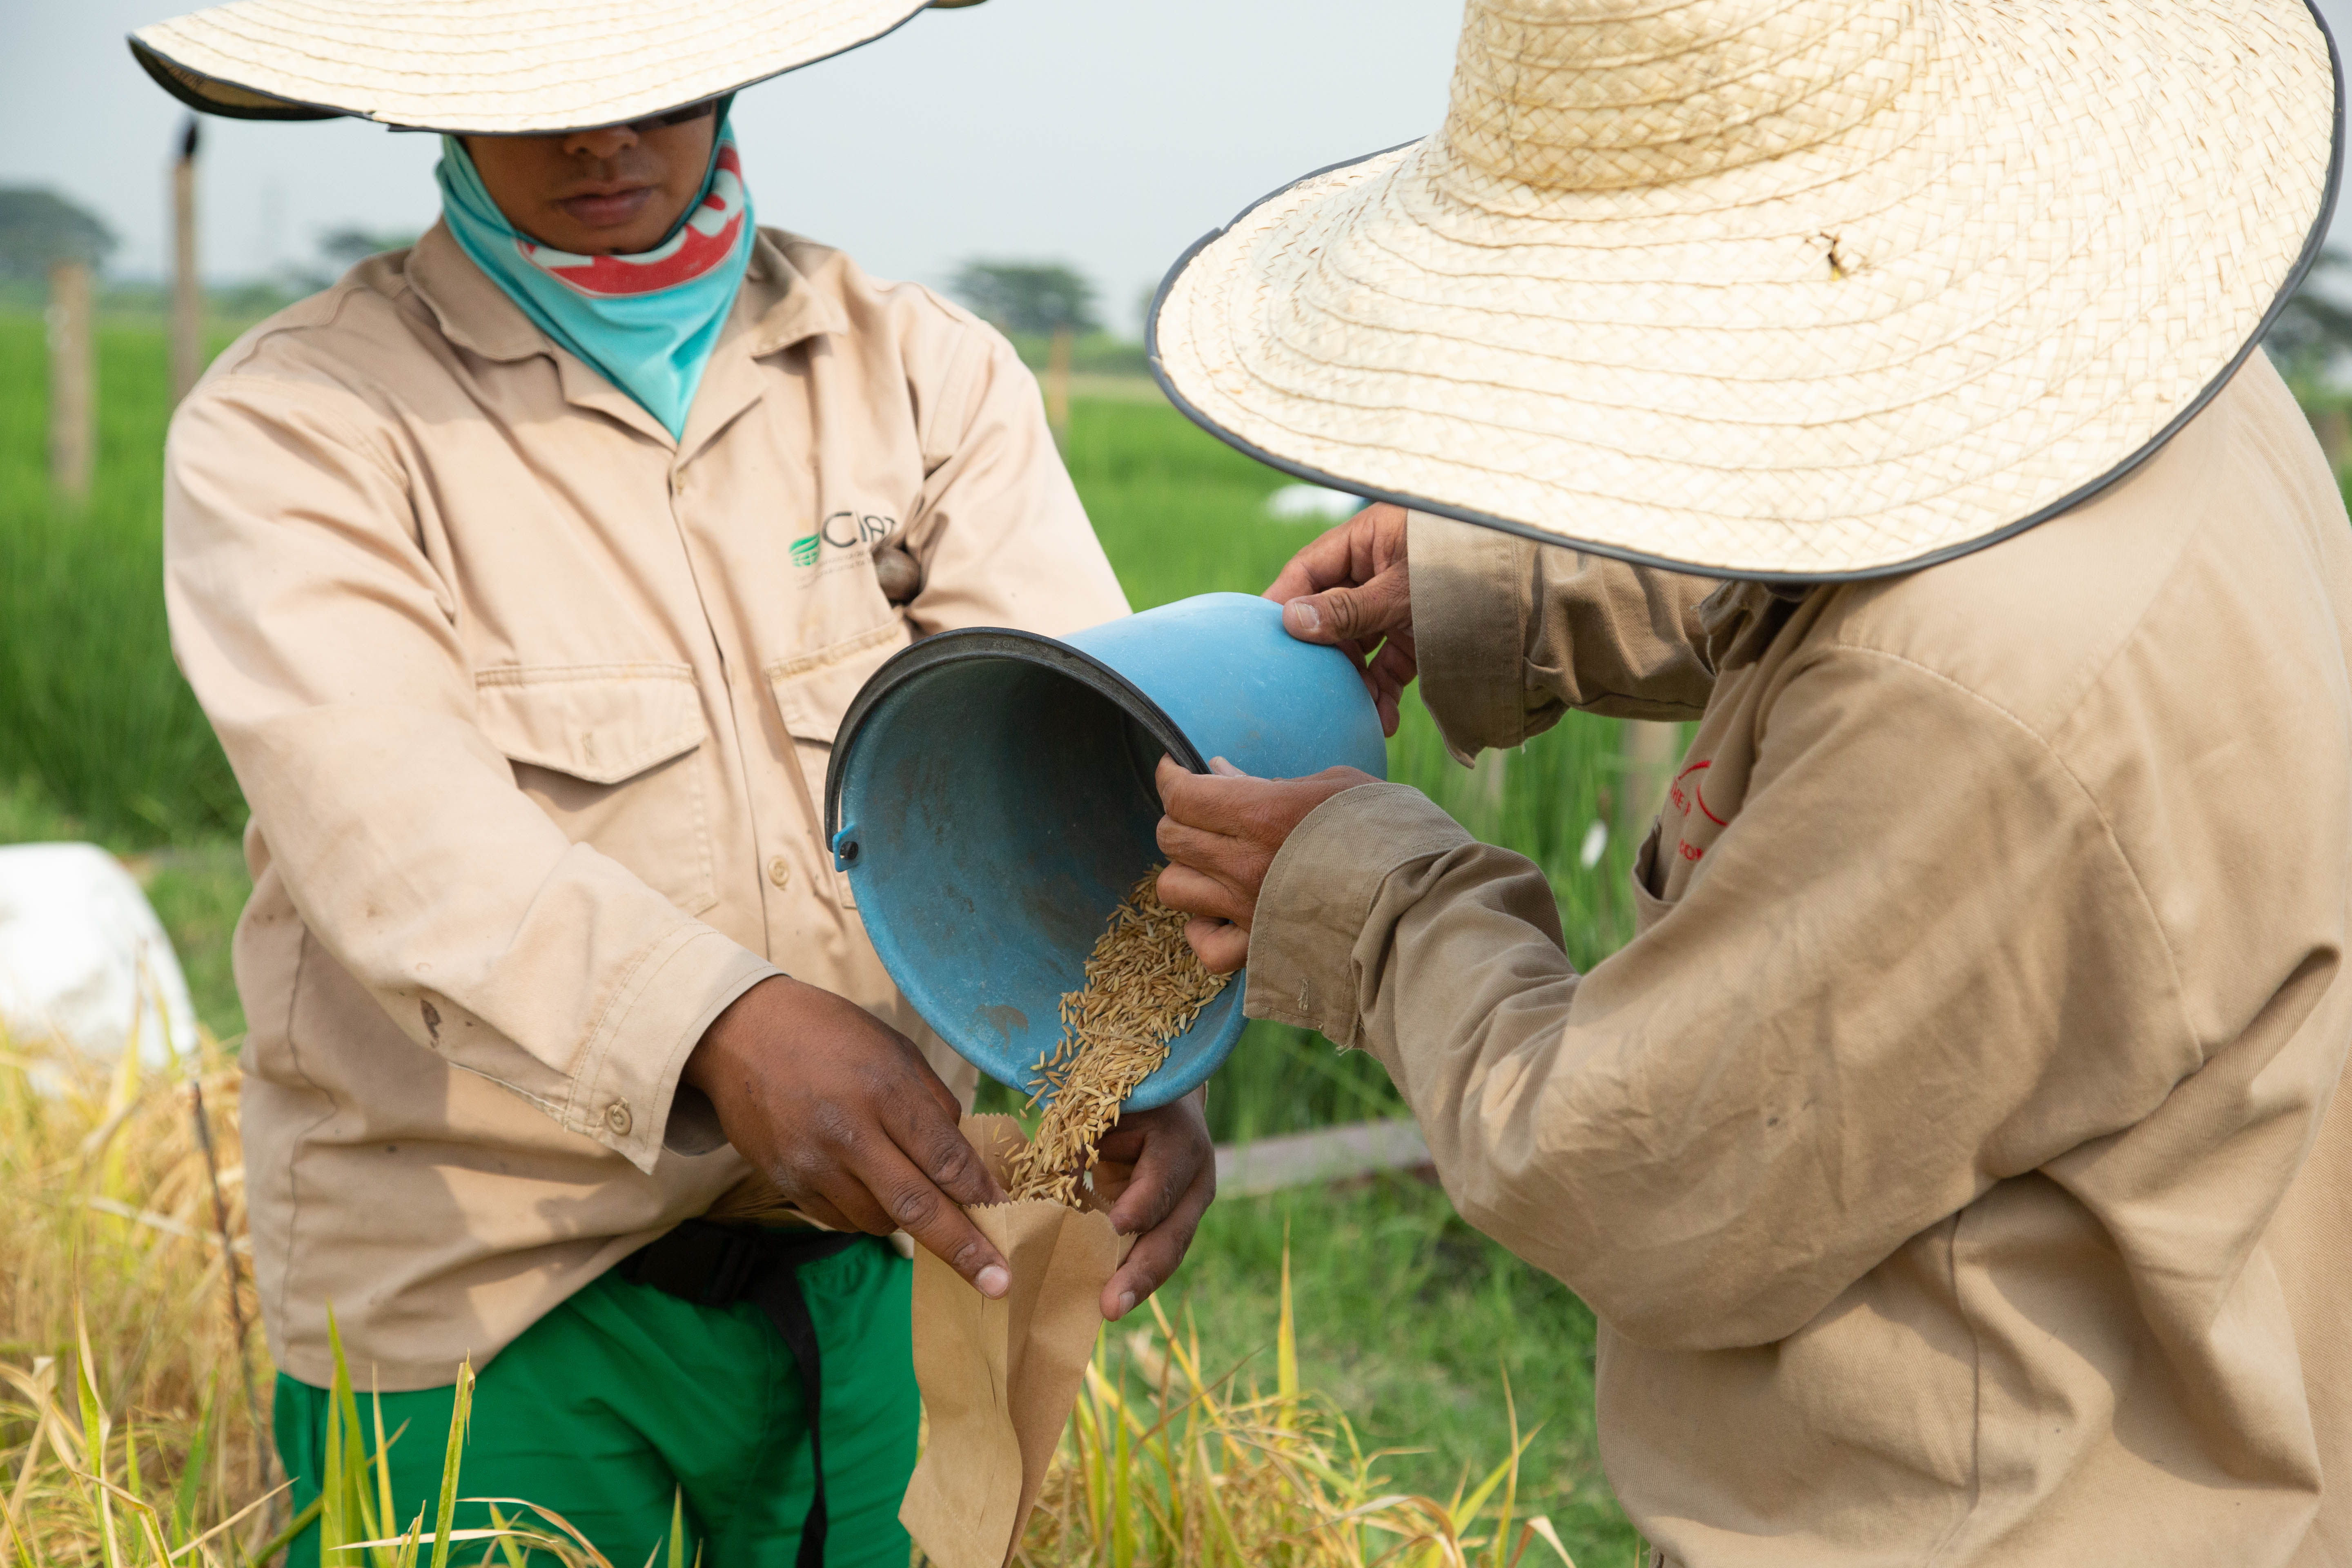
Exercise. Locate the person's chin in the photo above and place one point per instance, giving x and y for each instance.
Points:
(603, 231)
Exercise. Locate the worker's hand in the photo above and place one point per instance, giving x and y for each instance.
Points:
(1222, 832)
(1164, 1171)
(841, 1111)
(1353, 588)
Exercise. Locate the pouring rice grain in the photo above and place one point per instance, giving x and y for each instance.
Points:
(1144, 986)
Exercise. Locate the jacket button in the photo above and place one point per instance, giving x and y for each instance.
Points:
(779, 873)
(616, 1117)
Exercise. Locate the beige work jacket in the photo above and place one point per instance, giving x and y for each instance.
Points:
(532, 704)
(1950, 1157)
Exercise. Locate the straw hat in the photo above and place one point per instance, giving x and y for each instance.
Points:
(488, 66)
(1800, 288)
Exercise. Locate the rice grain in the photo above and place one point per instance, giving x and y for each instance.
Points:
(1144, 986)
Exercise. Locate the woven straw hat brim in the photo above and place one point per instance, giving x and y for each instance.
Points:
(1837, 339)
(493, 66)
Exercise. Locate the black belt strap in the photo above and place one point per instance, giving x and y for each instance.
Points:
(720, 1265)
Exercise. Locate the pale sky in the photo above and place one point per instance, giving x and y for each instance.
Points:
(1108, 134)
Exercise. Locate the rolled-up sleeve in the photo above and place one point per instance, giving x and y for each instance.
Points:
(1916, 962)
(322, 644)
(1510, 635)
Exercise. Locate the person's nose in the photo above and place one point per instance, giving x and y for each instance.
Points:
(601, 144)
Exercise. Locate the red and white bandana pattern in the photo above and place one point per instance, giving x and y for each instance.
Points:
(706, 240)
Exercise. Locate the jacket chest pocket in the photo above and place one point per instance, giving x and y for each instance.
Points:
(813, 690)
(610, 753)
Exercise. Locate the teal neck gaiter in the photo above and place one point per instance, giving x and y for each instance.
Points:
(648, 322)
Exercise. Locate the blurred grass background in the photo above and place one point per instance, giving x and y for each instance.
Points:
(1407, 1318)
(94, 717)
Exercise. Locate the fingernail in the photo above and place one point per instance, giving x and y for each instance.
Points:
(994, 1281)
(1126, 1302)
(1303, 618)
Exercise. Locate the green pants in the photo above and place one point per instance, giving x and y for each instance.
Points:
(624, 1397)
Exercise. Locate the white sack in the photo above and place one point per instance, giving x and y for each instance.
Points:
(83, 960)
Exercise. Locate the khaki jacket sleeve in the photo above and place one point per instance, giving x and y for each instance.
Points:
(319, 639)
(1001, 534)
(1915, 963)
(1512, 634)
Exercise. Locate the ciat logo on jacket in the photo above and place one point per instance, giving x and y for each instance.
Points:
(842, 529)
(1688, 794)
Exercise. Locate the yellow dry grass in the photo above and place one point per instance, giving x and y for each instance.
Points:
(126, 1429)
(1170, 1463)
(126, 1439)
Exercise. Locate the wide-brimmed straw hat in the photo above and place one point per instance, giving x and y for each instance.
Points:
(1799, 289)
(495, 66)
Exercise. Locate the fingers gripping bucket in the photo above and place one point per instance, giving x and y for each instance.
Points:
(990, 800)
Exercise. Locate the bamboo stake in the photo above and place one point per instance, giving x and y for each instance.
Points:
(73, 380)
(188, 291)
(229, 1272)
(1057, 383)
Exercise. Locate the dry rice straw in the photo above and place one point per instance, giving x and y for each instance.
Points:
(1143, 988)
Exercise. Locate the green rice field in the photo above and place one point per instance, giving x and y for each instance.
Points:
(1409, 1321)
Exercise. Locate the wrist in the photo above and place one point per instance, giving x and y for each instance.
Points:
(736, 1030)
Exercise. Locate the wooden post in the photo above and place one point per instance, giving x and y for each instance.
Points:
(1490, 778)
(187, 290)
(73, 380)
(1057, 383)
(1650, 753)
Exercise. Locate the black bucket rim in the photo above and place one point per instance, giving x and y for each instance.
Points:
(966, 645)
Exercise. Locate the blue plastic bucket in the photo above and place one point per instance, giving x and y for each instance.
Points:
(990, 800)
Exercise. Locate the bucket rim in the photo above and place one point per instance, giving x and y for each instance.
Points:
(966, 645)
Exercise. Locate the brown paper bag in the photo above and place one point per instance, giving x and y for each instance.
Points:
(1000, 1378)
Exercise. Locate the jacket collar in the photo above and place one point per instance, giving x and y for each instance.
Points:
(777, 308)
